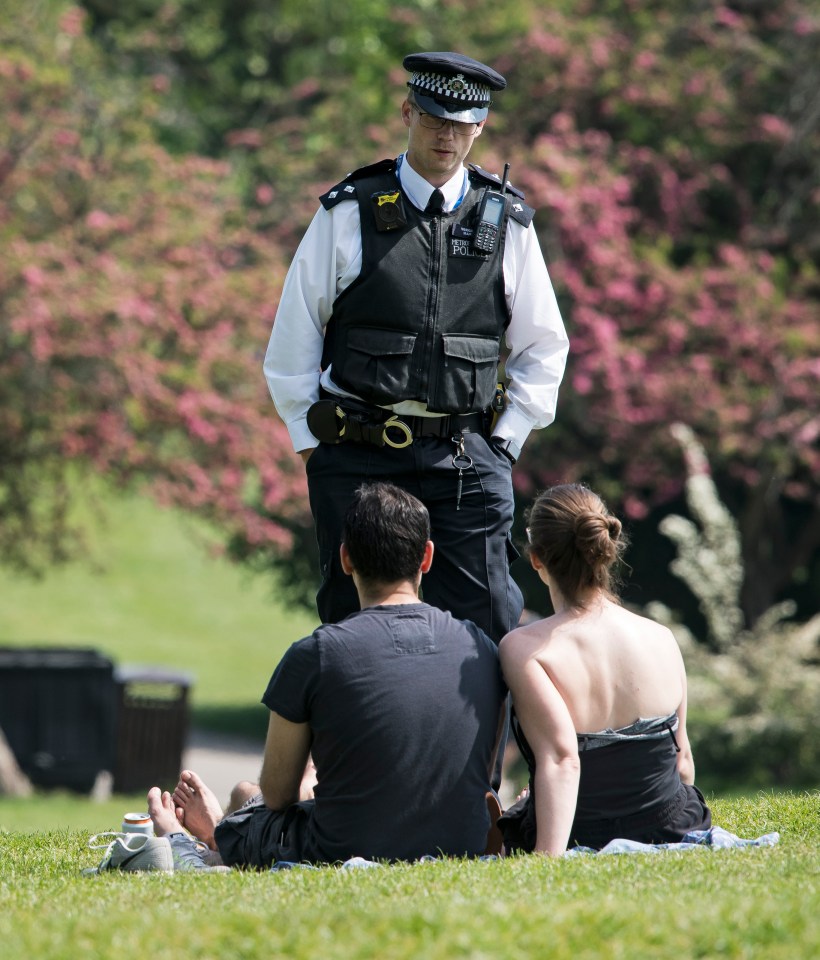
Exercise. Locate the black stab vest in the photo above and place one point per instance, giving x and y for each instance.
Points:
(425, 317)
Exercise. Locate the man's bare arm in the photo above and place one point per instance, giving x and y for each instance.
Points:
(287, 749)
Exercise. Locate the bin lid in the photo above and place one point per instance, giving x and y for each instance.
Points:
(146, 673)
(56, 658)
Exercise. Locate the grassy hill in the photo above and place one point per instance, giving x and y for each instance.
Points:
(152, 590)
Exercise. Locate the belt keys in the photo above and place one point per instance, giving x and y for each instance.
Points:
(462, 462)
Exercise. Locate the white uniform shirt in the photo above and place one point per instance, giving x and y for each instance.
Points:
(329, 259)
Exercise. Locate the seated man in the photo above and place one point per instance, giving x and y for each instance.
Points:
(400, 706)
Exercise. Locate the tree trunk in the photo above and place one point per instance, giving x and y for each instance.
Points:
(13, 782)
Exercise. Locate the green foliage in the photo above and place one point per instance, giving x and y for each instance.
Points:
(758, 903)
(754, 693)
(323, 68)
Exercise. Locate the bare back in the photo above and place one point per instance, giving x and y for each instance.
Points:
(610, 666)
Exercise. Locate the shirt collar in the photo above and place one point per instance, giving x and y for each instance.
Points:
(418, 189)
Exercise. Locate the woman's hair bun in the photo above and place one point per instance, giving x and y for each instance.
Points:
(595, 537)
(574, 536)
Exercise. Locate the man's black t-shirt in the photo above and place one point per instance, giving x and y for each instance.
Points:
(403, 703)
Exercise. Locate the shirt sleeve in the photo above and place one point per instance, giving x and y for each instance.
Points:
(327, 260)
(293, 684)
(536, 338)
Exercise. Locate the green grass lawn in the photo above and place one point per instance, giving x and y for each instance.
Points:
(752, 903)
(152, 591)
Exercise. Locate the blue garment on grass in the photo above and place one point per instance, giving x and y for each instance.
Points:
(715, 837)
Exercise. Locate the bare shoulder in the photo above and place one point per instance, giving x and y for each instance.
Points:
(645, 626)
(650, 640)
(525, 643)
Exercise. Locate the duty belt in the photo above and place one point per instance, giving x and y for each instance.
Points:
(340, 421)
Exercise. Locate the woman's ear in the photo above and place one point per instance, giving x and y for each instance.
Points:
(539, 568)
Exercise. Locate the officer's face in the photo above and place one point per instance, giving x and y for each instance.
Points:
(435, 154)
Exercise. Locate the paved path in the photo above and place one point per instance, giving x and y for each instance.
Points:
(222, 760)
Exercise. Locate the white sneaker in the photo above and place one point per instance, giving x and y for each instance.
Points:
(131, 852)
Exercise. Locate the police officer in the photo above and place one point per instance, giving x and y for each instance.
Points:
(383, 361)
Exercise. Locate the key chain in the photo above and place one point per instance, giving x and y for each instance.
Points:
(462, 462)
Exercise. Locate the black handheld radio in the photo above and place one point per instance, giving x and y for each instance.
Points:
(490, 216)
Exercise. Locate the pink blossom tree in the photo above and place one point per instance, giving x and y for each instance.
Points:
(135, 301)
(669, 151)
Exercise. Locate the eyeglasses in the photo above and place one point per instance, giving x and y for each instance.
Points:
(438, 123)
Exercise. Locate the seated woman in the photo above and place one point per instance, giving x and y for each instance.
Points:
(599, 697)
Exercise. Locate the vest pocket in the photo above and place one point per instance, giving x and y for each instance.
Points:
(467, 382)
(376, 364)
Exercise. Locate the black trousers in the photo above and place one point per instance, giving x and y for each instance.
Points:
(470, 575)
(256, 836)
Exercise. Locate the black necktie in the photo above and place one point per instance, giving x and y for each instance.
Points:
(436, 202)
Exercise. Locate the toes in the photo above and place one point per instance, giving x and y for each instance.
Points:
(194, 782)
(181, 796)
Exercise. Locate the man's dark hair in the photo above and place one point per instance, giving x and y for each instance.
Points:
(385, 532)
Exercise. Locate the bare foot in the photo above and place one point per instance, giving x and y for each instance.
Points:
(162, 812)
(200, 809)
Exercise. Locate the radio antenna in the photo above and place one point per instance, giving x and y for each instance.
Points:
(505, 180)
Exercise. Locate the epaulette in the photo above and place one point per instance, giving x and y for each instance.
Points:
(519, 210)
(344, 190)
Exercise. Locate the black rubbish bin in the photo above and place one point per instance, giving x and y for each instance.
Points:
(152, 727)
(58, 712)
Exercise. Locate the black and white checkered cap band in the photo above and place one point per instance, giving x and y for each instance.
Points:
(448, 87)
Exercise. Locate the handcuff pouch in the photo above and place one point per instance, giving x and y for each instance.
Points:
(327, 421)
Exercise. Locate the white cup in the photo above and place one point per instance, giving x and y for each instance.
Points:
(138, 823)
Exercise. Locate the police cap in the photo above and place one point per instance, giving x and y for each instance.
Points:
(451, 85)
